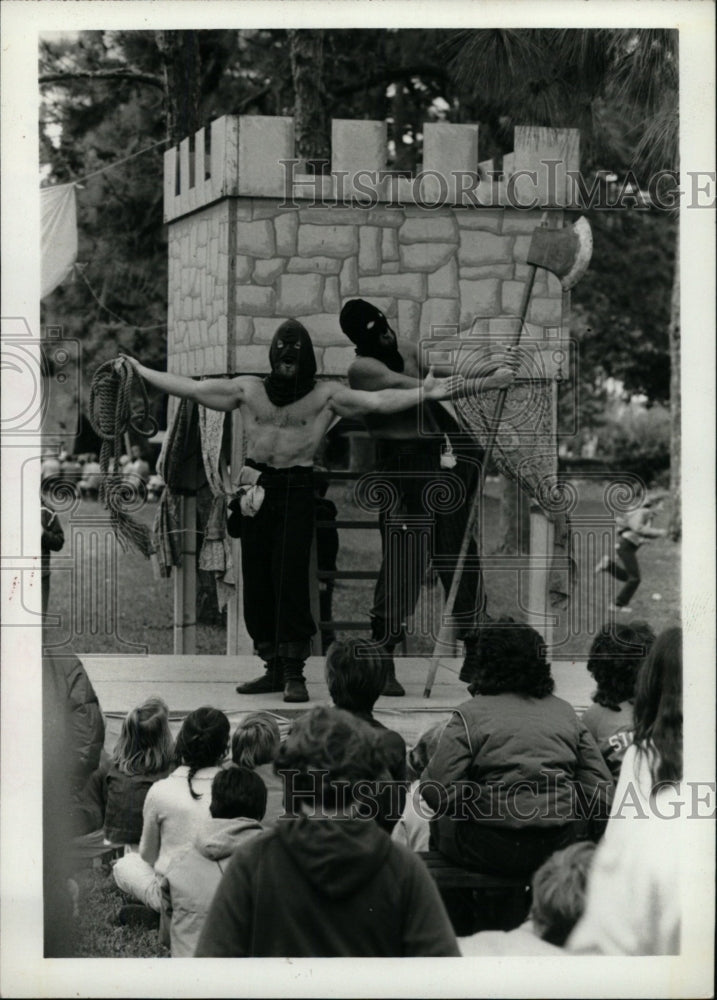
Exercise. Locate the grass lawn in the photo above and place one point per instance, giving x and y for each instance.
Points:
(97, 933)
(109, 601)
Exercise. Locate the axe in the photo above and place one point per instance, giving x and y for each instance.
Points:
(566, 253)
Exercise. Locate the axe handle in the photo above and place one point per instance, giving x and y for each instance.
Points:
(445, 630)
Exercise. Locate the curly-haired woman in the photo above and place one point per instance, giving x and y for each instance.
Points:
(516, 774)
(614, 661)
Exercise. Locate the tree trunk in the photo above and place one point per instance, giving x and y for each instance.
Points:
(675, 528)
(311, 123)
(182, 76)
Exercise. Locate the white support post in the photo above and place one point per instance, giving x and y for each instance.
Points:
(238, 639)
(542, 533)
(185, 581)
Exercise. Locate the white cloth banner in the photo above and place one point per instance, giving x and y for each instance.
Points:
(59, 234)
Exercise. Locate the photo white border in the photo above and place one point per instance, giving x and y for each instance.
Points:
(23, 971)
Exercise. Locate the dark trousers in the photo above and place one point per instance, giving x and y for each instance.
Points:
(276, 549)
(426, 524)
(499, 850)
(626, 570)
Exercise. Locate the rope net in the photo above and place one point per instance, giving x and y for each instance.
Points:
(111, 415)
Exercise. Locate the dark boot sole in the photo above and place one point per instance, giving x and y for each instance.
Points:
(262, 685)
(392, 689)
(295, 694)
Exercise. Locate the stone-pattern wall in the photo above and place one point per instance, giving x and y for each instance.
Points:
(240, 263)
(425, 268)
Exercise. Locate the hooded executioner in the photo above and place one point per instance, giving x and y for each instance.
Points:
(285, 416)
(417, 450)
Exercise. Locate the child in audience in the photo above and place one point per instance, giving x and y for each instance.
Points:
(615, 657)
(326, 882)
(633, 904)
(237, 807)
(559, 887)
(356, 675)
(513, 764)
(255, 744)
(142, 755)
(174, 808)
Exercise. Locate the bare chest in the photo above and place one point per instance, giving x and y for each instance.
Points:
(262, 412)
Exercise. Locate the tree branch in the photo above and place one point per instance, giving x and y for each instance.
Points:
(133, 76)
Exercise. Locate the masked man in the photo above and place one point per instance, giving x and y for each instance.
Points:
(416, 449)
(285, 417)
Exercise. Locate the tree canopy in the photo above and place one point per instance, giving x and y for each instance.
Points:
(110, 95)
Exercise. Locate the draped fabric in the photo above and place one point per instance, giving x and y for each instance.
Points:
(525, 451)
(166, 531)
(58, 237)
(216, 554)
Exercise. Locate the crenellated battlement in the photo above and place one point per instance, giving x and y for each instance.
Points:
(254, 156)
(253, 239)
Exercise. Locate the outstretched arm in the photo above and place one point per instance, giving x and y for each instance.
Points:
(482, 374)
(215, 393)
(356, 402)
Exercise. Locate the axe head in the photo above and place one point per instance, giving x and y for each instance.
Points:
(565, 252)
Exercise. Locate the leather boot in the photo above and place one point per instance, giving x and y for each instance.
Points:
(294, 683)
(271, 680)
(391, 687)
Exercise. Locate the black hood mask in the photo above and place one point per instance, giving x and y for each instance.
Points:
(363, 324)
(291, 343)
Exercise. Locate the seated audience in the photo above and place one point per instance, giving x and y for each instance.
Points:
(143, 754)
(175, 807)
(356, 675)
(615, 657)
(513, 764)
(327, 882)
(255, 744)
(633, 902)
(558, 887)
(188, 887)
(91, 478)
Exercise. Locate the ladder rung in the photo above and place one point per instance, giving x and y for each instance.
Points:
(346, 625)
(347, 524)
(347, 574)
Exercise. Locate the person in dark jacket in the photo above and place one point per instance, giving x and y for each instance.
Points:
(73, 729)
(327, 882)
(516, 775)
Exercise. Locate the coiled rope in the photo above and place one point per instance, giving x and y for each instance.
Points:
(111, 416)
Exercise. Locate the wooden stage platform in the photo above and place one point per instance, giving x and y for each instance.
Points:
(186, 682)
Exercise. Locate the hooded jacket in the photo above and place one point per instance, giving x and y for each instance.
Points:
(318, 887)
(191, 880)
